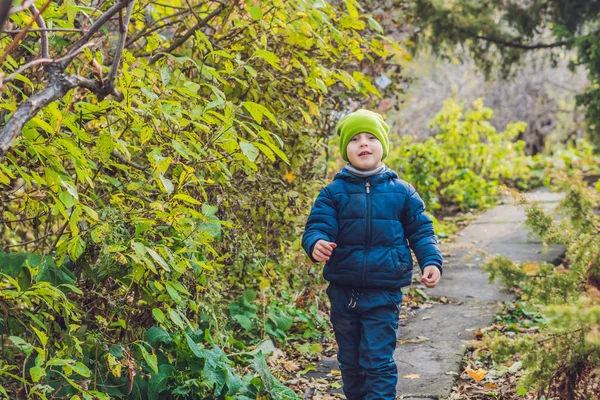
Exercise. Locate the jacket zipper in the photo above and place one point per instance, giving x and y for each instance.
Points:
(364, 272)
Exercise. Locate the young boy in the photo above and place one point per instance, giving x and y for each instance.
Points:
(361, 225)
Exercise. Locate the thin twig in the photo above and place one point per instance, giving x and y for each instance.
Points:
(43, 34)
(98, 24)
(120, 46)
(20, 36)
(46, 61)
(185, 37)
(45, 30)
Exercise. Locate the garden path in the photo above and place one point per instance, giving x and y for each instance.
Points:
(433, 340)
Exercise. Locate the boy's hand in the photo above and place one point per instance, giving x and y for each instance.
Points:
(322, 251)
(431, 276)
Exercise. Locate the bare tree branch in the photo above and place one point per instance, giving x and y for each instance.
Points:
(43, 34)
(125, 161)
(185, 37)
(522, 46)
(59, 86)
(120, 46)
(44, 61)
(44, 30)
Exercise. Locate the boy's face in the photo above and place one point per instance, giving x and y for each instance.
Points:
(364, 151)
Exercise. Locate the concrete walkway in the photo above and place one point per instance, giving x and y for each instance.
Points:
(432, 343)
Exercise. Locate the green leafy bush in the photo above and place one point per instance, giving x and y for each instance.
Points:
(560, 359)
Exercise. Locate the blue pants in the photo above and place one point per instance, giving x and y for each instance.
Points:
(365, 323)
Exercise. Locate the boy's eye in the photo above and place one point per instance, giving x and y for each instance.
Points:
(354, 139)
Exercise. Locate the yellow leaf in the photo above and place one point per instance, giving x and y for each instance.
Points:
(491, 386)
(289, 176)
(264, 284)
(531, 268)
(476, 375)
(411, 376)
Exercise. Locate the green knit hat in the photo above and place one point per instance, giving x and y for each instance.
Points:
(363, 121)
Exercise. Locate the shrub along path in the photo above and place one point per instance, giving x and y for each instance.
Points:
(433, 339)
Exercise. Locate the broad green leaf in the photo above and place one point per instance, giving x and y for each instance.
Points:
(21, 344)
(150, 359)
(104, 146)
(156, 335)
(249, 150)
(269, 57)
(256, 13)
(209, 210)
(37, 373)
(158, 315)
(81, 369)
(158, 258)
(176, 318)
(166, 184)
(198, 352)
(244, 321)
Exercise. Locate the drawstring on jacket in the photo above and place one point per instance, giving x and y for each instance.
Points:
(354, 298)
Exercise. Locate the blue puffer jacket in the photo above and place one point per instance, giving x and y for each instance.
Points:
(373, 221)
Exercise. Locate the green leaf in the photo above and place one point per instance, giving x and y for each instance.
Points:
(158, 258)
(256, 13)
(104, 146)
(11, 263)
(244, 321)
(37, 373)
(186, 197)
(176, 318)
(150, 359)
(375, 25)
(81, 369)
(41, 336)
(21, 344)
(173, 293)
(158, 383)
(156, 335)
(269, 57)
(197, 351)
(158, 315)
(249, 150)
(166, 183)
(209, 210)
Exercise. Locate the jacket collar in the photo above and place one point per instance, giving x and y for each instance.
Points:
(385, 175)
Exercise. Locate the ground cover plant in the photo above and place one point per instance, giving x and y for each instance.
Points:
(545, 344)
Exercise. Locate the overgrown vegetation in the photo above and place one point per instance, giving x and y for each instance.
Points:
(150, 212)
(128, 227)
(557, 342)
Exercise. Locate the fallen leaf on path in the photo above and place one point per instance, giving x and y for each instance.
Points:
(491, 386)
(290, 366)
(411, 376)
(419, 339)
(477, 375)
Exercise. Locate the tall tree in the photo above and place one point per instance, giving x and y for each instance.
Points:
(499, 33)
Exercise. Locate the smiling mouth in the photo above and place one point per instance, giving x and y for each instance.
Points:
(364, 153)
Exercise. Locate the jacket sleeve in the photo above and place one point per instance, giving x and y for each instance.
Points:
(321, 224)
(418, 229)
